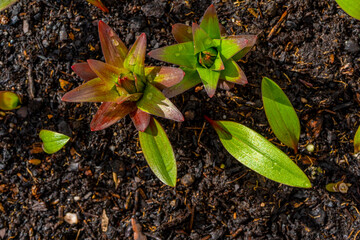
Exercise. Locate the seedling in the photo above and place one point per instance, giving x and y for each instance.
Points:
(99, 4)
(258, 154)
(52, 141)
(206, 55)
(280, 114)
(338, 187)
(127, 87)
(351, 7)
(9, 100)
(6, 3)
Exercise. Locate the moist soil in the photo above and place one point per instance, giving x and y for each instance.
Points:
(310, 48)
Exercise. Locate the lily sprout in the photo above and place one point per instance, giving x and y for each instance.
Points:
(124, 84)
(206, 55)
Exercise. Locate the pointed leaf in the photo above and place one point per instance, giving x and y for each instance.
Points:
(84, 71)
(218, 64)
(6, 3)
(182, 33)
(164, 77)
(190, 80)
(251, 42)
(52, 141)
(106, 72)
(158, 152)
(210, 79)
(135, 59)
(357, 141)
(140, 119)
(113, 48)
(233, 73)
(9, 100)
(99, 4)
(202, 41)
(92, 91)
(180, 54)
(258, 154)
(109, 113)
(210, 23)
(154, 102)
(280, 114)
(231, 46)
(222, 30)
(351, 7)
(226, 85)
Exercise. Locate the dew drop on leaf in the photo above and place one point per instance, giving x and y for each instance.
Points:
(149, 96)
(115, 42)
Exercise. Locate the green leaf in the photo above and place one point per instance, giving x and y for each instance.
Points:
(251, 42)
(135, 58)
(233, 73)
(190, 80)
(159, 153)
(351, 7)
(6, 3)
(164, 77)
(202, 41)
(258, 154)
(231, 46)
(210, 79)
(280, 114)
(357, 141)
(210, 23)
(52, 141)
(180, 54)
(9, 100)
(154, 102)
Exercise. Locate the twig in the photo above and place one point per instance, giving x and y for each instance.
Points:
(30, 82)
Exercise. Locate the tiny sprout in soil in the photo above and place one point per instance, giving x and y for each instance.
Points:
(52, 141)
(9, 100)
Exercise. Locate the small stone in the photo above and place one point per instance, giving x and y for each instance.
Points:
(352, 46)
(189, 115)
(154, 9)
(26, 26)
(45, 43)
(62, 34)
(64, 128)
(22, 112)
(76, 198)
(14, 20)
(71, 218)
(187, 180)
(310, 148)
(304, 100)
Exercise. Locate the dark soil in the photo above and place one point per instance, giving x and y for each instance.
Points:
(312, 52)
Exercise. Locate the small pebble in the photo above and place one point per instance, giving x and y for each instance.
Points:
(310, 148)
(76, 198)
(71, 218)
(352, 46)
(303, 100)
(62, 34)
(189, 115)
(26, 26)
(187, 180)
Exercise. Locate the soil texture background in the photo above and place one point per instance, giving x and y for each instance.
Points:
(310, 48)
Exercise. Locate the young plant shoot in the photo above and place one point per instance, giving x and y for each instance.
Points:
(52, 141)
(127, 87)
(9, 100)
(206, 55)
(99, 4)
(357, 141)
(258, 154)
(280, 113)
(351, 7)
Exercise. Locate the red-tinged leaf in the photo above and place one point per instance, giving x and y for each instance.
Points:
(258, 154)
(99, 4)
(164, 77)
(180, 54)
(106, 72)
(190, 80)
(231, 46)
(84, 71)
(280, 113)
(94, 90)
(182, 33)
(233, 73)
(140, 119)
(109, 113)
(210, 80)
(357, 141)
(154, 102)
(113, 48)
(158, 152)
(202, 41)
(135, 59)
(210, 23)
(9, 100)
(251, 42)
(226, 85)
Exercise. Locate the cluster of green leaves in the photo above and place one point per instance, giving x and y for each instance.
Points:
(351, 7)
